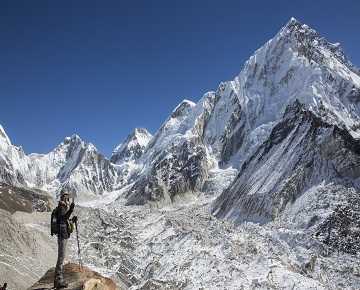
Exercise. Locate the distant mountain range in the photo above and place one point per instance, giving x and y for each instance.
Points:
(288, 122)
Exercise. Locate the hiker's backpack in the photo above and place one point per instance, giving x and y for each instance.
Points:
(70, 226)
(54, 222)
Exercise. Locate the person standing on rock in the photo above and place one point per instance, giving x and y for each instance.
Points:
(63, 230)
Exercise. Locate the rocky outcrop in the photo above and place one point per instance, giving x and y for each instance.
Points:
(77, 279)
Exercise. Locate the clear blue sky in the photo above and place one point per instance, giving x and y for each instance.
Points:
(102, 68)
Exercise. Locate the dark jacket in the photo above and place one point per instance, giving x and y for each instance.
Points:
(64, 212)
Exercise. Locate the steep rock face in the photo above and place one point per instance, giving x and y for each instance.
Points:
(133, 147)
(302, 151)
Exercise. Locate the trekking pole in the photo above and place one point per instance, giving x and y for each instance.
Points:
(78, 244)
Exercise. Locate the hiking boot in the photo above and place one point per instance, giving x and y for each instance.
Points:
(60, 285)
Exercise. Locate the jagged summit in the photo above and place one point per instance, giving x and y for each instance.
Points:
(310, 43)
(133, 146)
(297, 63)
(76, 139)
(72, 138)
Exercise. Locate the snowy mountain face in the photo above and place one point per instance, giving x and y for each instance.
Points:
(132, 148)
(74, 165)
(312, 143)
(176, 161)
(85, 170)
(296, 64)
(226, 127)
(14, 164)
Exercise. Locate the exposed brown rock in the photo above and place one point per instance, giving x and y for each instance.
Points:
(14, 198)
(77, 279)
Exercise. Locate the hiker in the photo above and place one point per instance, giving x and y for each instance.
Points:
(63, 231)
(3, 287)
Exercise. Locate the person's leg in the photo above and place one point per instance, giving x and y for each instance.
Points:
(58, 263)
(59, 270)
(64, 243)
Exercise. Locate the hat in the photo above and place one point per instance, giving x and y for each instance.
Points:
(63, 192)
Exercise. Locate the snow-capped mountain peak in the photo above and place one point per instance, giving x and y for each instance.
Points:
(73, 139)
(299, 64)
(133, 147)
(308, 38)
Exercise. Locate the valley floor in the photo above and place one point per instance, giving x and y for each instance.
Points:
(176, 247)
(185, 247)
